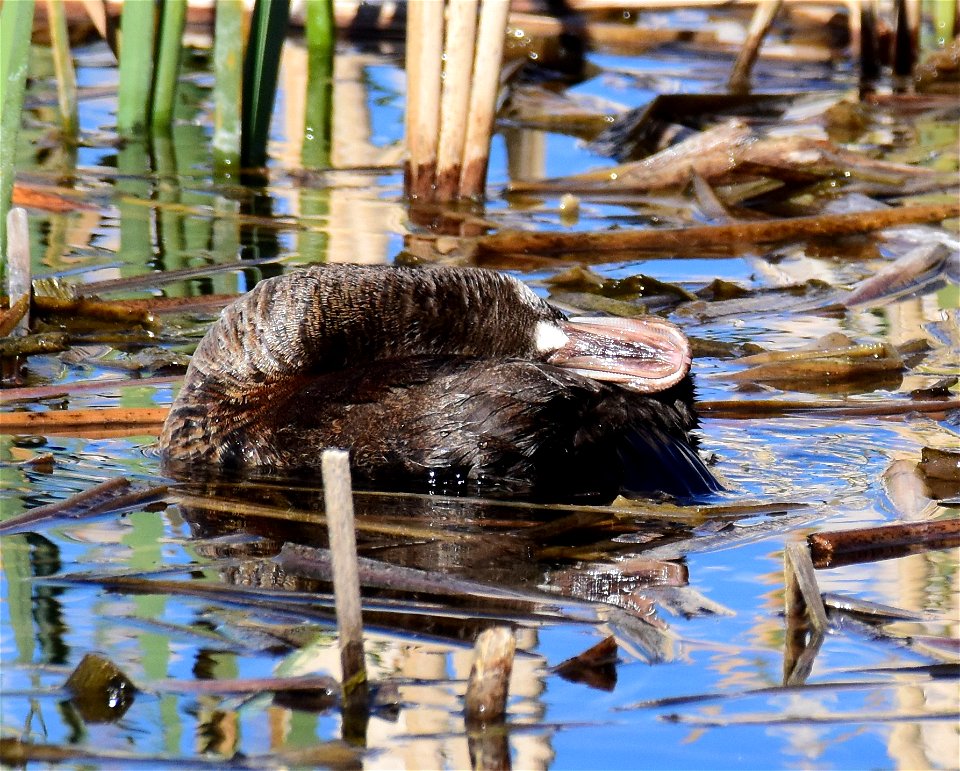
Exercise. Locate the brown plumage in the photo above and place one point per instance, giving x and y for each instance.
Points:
(445, 379)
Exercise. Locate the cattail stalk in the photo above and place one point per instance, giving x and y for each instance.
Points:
(455, 97)
(483, 98)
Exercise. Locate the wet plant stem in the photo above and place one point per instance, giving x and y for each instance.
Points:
(63, 65)
(169, 51)
(16, 20)
(260, 67)
(338, 499)
(136, 68)
(317, 129)
(227, 58)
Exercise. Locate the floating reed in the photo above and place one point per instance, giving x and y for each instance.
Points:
(449, 126)
(869, 544)
(725, 238)
(146, 419)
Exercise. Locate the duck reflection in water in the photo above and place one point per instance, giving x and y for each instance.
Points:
(453, 380)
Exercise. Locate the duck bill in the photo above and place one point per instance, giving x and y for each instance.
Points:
(646, 354)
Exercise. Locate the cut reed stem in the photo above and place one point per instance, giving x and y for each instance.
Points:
(19, 271)
(483, 97)
(338, 500)
(424, 62)
(486, 698)
(455, 97)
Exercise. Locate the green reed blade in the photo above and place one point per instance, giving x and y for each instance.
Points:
(16, 24)
(169, 54)
(321, 34)
(227, 89)
(261, 64)
(136, 67)
(63, 64)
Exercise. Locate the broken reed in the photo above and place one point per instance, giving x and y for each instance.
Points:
(451, 107)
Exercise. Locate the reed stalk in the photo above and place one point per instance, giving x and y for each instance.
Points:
(338, 502)
(261, 65)
(63, 65)
(16, 22)
(424, 48)
(136, 68)
(227, 91)
(483, 97)
(169, 51)
(321, 35)
(455, 96)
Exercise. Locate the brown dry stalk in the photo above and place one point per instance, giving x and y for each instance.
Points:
(729, 237)
(148, 419)
(801, 591)
(869, 544)
(10, 317)
(103, 310)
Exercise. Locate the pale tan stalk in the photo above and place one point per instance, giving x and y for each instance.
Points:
(455, 99)
(425, 34)
(483, 98)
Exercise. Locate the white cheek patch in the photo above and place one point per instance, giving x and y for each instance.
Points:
(549, 337)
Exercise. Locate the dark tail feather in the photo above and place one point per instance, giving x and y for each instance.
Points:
(663, 463)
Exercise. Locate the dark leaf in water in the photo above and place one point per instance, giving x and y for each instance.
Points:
(595, 667)
(721, 349)
(586, 302)
(938, 463)
(718, 289)
(939, 389)
(577, 278)
(100, 690)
